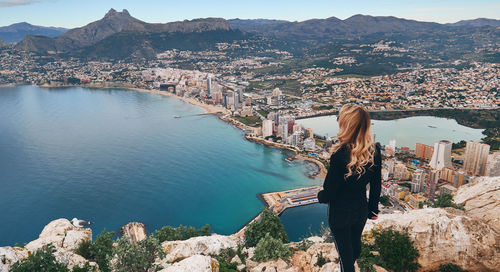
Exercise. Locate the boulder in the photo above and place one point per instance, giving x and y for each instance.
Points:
(481, 198)
(10, 255)
(62, 234)
(135, 231)
(445, 236)
(195, 263)
(206, 245)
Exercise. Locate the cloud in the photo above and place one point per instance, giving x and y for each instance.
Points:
(13, 3)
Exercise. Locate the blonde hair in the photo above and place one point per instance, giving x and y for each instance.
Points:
(354, 133)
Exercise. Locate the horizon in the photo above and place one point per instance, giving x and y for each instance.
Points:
(55, 13)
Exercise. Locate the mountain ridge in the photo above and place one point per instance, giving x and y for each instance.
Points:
(16, 32)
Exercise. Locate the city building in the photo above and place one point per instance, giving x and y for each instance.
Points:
(309, 133)
(209, 86)
(309, 143)
(476, 156)
(447, 189)
(423, 151)
(442, 155)
(401, 172)
(417, 181)
(267, 128)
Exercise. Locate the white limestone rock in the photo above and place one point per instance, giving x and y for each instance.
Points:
(62, 234)
(195, 263)
(481, 198)
(10, 255)
(135, 231)
(445, 236)
(206, 245)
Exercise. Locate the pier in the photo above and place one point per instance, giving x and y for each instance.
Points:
(280, 201)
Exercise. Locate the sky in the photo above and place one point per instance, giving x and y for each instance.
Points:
(76, 13)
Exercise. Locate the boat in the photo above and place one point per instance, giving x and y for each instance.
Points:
(431, 126)
(290, 159)
(177, 116)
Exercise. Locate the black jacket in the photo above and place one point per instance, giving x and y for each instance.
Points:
(350, 193)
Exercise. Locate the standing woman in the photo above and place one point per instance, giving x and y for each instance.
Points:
(355, 162)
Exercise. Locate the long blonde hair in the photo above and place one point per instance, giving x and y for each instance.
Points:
(354, 133)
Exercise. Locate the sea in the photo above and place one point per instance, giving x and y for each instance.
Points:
(114, 156)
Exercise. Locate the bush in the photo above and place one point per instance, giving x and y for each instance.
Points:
(86, 268)
(384, 200)
(99, 251)
(42, 260)
(366, 259)
(450, 268)
(321, 260)
(270, 248)
(224, 259)
(139, 257)
(397, 251)
(446, 200)
(304, 244)
(268, 223)
(169, 233)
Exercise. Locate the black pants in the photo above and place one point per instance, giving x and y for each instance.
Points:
(347, 226)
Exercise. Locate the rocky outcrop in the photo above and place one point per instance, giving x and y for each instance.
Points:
(135, 231)
(10, 255)
(481, 199)
(206, 245)
(60, 233)
(446, 236)
(195, 263)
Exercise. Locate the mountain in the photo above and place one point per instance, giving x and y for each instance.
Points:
(478, 22)
(113, 23)
(252, 24)
(334, 28)
(16, 32)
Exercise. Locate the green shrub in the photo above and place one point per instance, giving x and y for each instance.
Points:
(268, 223)
(446, 200)
(85, 268)
(43, 260)
(366, 259)
(270, 248)
(321, 260)
(99, 251)
(169, 233)
(139, 257)
(450, 268)
(304, 244)
(397, 251)
(224, 258)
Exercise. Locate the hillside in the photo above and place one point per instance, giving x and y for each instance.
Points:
(16, 32)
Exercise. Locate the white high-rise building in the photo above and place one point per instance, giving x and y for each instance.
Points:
(284, 131)
(417, 181)
(209, 85)
(441, 157)
(476, 156)
(267, 128)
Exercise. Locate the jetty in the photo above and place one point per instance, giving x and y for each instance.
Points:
(280, 201)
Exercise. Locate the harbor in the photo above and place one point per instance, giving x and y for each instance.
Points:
(279, 201)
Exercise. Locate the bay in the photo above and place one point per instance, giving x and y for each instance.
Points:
(116, 156)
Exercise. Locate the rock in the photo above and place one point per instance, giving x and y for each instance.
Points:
(379, 268)
(236, 259)
(65, 237)
(62, 234)
(446, 236)
(328, 267)
(315, 239)
(10, 255)
(481, 198)
(195, 263)
(306, 260)
(135, 231)
(206, 245)
(279, 265)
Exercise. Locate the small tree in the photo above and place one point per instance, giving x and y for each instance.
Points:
(396, 250)
(99, 251)
(451, 268)
(169, 233)
(137, 258)
(42, 260)
(270, 248)
(446, 200)
(268, 223)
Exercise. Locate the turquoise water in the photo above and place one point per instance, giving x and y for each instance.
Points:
(115, 156)
(406, 131)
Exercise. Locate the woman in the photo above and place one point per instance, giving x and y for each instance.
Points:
(355, 162)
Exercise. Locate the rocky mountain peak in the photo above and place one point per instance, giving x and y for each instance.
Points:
(113, 13)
